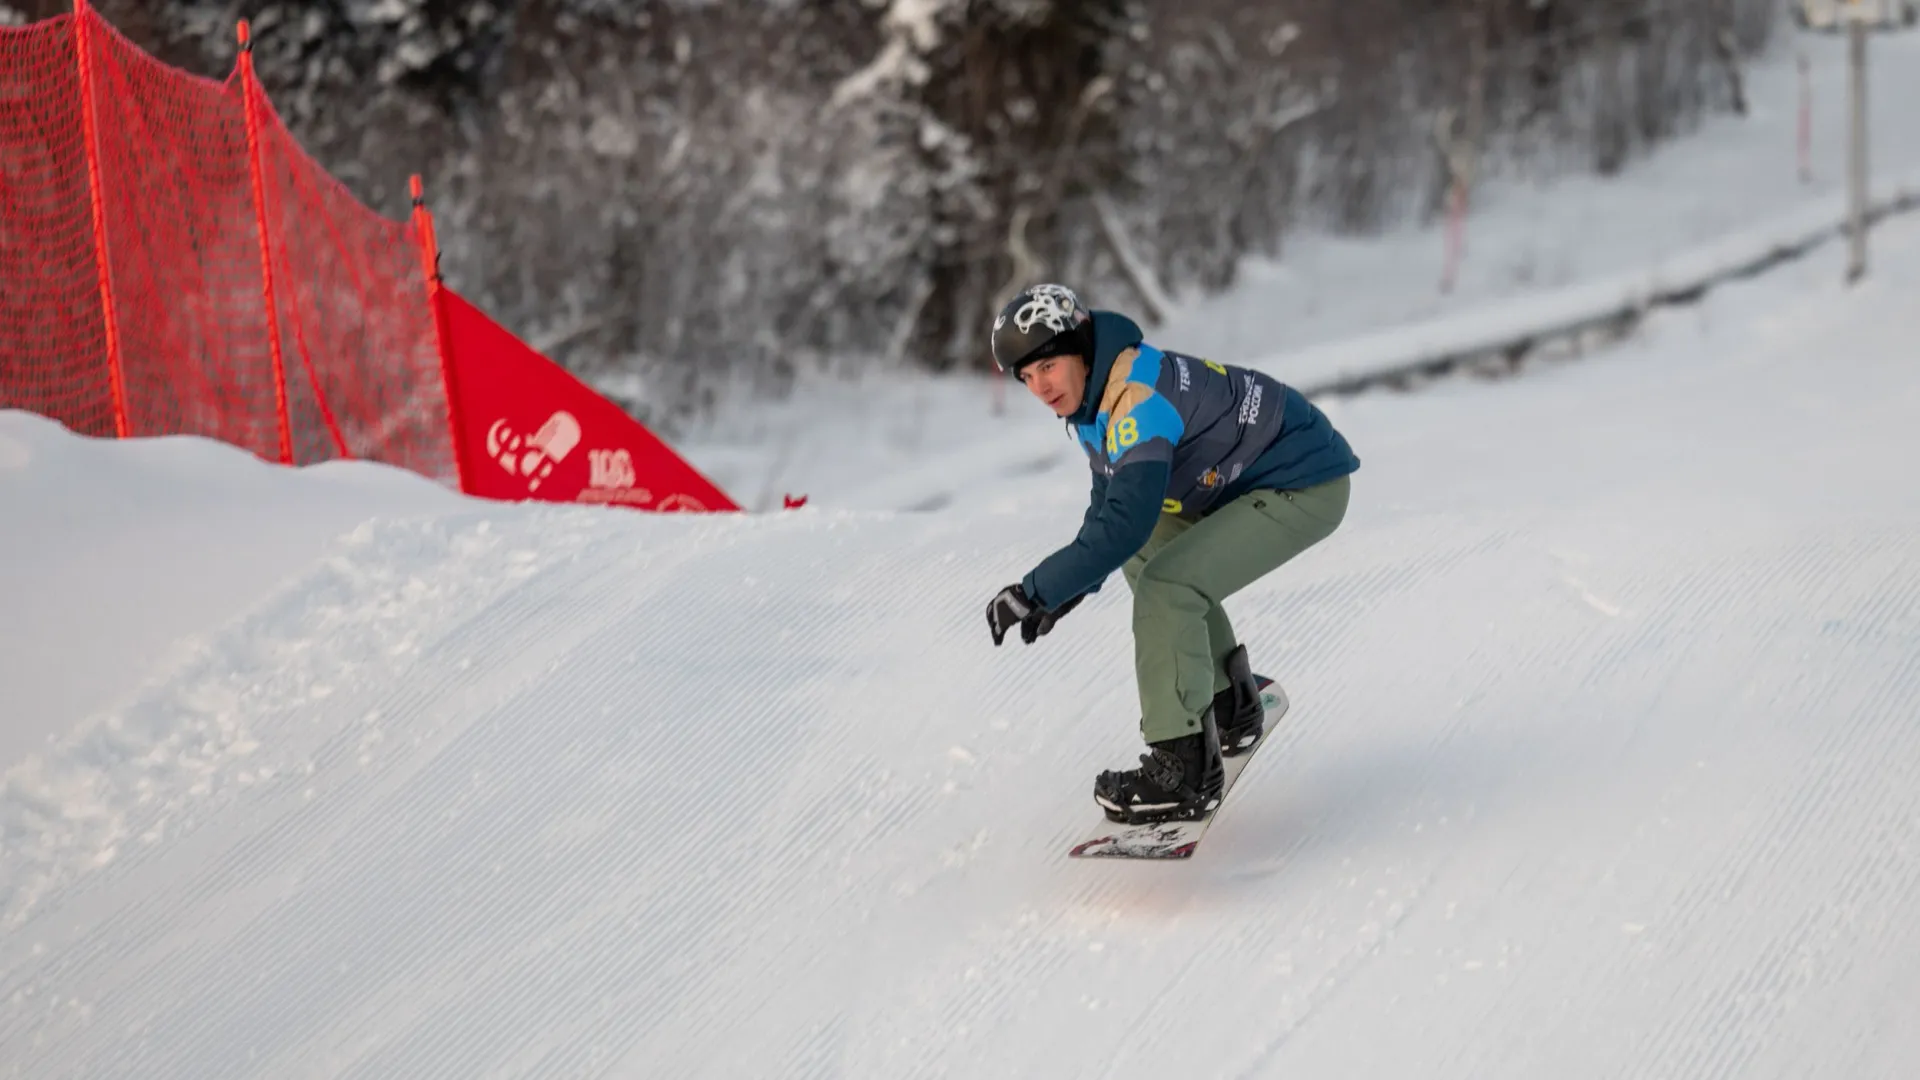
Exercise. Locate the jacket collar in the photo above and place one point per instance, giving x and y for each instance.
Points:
(1113, 334)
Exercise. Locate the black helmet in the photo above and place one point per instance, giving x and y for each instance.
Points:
(1042, 321)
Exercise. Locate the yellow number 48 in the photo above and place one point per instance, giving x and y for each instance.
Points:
(1122, 435)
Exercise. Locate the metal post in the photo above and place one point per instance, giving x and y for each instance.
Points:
(1806, 118)
(1857, 146)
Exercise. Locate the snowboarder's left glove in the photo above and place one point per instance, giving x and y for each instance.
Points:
(1009, 606)
(1042, 620)
(1013, 605)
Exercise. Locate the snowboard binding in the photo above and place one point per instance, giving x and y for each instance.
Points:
(1179, 779)
(1241, 716)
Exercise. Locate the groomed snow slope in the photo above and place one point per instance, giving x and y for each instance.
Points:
(1604, 761)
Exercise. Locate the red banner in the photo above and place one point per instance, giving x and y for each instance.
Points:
(528, 429)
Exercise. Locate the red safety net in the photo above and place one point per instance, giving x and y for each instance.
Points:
(354, 317)
(52, 331)
(183, 248)
(172, 262)
(177, 335)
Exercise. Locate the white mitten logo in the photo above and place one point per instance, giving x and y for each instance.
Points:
(535, 455)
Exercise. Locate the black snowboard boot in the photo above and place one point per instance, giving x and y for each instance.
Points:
(1178, 780)
(1238, 708)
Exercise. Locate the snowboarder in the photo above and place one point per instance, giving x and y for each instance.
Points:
(1205, 478)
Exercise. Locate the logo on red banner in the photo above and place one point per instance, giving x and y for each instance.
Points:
(546, 435)
(611, 476)
(533, 458)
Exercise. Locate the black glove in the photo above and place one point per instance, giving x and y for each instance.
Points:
(1042, 620)
(1012, 605)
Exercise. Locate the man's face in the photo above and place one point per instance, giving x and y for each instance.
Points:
(1059, 381)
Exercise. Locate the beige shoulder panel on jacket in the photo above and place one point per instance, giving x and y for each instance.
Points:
(1121, 394)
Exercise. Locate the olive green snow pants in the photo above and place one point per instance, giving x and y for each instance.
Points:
(1181, 635)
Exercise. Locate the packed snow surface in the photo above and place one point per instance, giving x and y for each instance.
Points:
(1604, 754)
(1604, 757)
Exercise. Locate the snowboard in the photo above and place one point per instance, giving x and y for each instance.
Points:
(1177, 839)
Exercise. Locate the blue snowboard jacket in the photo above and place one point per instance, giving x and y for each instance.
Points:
(1169, 433)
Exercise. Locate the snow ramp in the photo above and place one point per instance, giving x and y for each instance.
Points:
(1604, 760)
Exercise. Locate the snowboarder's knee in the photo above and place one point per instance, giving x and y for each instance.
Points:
(1156, 586)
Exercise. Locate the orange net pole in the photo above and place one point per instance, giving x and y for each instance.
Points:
(248, 88)
(430, 262)
(83, 47)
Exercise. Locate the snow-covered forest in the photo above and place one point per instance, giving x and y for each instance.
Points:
(673, 196)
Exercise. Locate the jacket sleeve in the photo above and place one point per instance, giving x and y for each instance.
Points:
(1120, 517)
(1095, 499)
